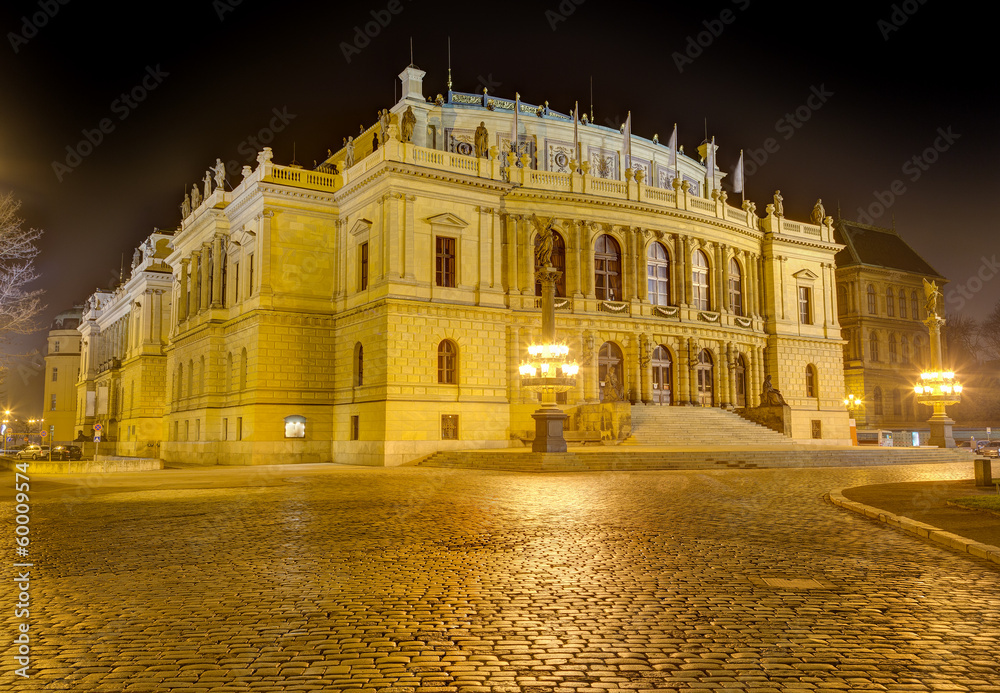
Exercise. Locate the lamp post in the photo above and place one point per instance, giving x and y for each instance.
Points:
(853, 405)
(548, 371)
(937, 388)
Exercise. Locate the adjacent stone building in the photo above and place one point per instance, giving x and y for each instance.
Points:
(881, 302)
(62, 370)
(376, 309)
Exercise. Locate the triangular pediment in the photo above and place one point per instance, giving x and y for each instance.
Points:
(361, 226)
(447, 219)
(805, 274)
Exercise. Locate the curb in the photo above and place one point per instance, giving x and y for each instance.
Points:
(920, 529)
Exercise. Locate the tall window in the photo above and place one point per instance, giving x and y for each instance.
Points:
(444, 261)
(364, 266)
(902, 303)
(872, 301)
(55, 374)
(359, 365)
(243, 372)
(904, 347)
(877, 400)
(893, 353)
(55, 346)
(841, 300)
(873, 346)
(658, 275)
(52, 405)
(607, 269)
(810, 381)
(890, 302)
(447, 362)
(735, 287)
(699, 281)
(558, 261)
(914, 305)
(805, 305)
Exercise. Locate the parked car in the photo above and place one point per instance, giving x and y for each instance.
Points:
(33, 452)
(991, 449)
(67, 452)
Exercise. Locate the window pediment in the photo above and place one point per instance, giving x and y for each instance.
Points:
(805, 275)
(361, 226)
(448, 220)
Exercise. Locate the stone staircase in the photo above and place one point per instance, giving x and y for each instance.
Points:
(700, 426)
(633, 458)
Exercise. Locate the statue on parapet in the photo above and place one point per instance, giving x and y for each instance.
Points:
(779, 204)
(208, 184)
(186, 206)
(383, 126)
(482, 140)
(769, 396)
(409, 122)
(220, 174)
(348, 153)
(136, 258)
(543, 249)
(933, 296)
(818, 213)
(195, 198)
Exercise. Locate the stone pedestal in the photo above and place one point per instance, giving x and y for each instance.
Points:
(984, 475)
(549, 430)
(941, 435)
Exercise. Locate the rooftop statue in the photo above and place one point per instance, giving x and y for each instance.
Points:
(208, 184)
(186, 206)
(409, 121)
(348, 153)
(195, 197)
(482, 140)
(779, 204)
(818, 213)
(220, 174)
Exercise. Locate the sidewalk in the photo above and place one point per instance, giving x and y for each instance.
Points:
(922, 508)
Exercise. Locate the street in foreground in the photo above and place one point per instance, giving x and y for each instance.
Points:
(337, 578)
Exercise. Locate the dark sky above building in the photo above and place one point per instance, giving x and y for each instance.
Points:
(884, 110)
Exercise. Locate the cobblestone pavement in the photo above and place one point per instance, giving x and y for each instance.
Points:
(338, 578)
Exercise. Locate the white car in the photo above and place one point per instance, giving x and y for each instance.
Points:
(33, 452)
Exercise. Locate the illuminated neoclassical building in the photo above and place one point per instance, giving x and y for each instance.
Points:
(376, 309)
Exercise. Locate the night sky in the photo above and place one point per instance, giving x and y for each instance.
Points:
(847, 96)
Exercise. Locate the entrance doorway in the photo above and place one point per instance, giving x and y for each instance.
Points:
(704, 375)
(662, 376)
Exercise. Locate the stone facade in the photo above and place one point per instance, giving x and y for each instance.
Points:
(379, 313)
(62, 367)
(881, 302)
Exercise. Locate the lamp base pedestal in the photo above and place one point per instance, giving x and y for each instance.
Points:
(549, 430)
(941, 435)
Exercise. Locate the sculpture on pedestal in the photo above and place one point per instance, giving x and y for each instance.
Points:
(409, 122)
(348, 153)
(220, 174)
(818, 213)
(195, 197)
(482, 140)
(779, 204)
(769, 396)
(186, 206)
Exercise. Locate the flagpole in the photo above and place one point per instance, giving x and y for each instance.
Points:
(576, 133)
(743, 181)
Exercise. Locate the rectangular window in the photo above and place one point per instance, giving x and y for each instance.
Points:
(250, 277)
(52, 406)
(805, 305)
(225, 429)
(55, 346)
(817, 428)
(187, 431)
(55, 374)
(449, 427)
(236, 282)
(355, 427)
(363, 270)
(197, 429)
(445, 261)
(239, 428)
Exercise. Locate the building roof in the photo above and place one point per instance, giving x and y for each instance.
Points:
(877, 247)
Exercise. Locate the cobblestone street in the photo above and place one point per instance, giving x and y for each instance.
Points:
(338, 578)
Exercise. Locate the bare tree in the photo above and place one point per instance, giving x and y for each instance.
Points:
(19, 306)
(990, 333)
(965, 346)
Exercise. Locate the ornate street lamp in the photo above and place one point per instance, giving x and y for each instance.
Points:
(548, 370)
(937, 388)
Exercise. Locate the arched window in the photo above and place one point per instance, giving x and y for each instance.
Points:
(607, 269)
(359, 365)
(658, 275)
(890, 302)
(873, 346)
(902, 303)
(877, 401)
(893, 354)
(699, 281)
(229, 371)
(904, 346)
(914, 305)
(897, 402)
(558, 261)
(811, 381)
(447, 362)
(872, 301)
(201, 376)
(243, 369)
(735, 287)
(190, 387)
(741, 381)
(180, 381)
(841, 300)
(918, 351)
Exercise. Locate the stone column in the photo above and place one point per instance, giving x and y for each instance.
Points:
(157, 332)
(732, 353)
(724, 261)
(393, 236)
(641, 274)
(409, 242)
(525, 259)
(205, 282)
(686, 269)
(578, 354)
(592, 369)
(646, 364)
(576, 274)
(218, 258)
(513, 361)
(587, 249)
(197, 263)
(633, 354)
(182, 304)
